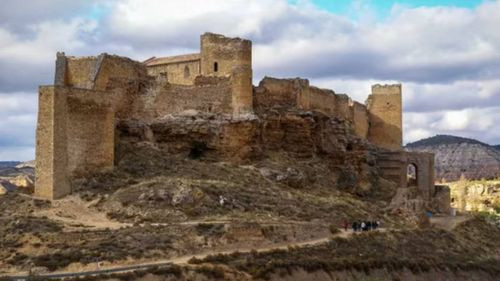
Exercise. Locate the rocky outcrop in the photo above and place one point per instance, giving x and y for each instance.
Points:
(481, 196)
(298, 134)
(456, 156)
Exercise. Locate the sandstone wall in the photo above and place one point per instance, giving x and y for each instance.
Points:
(78, 72)
(182, 73)
(208, 94)
(360, 117)
(310, 98)
(224, 52)
(297, 94)
(424, 162)
(242, 90)
(386, 120)
(343, 107)
(95, 72)
(90, 133)
(394, 166)
(51, 145)
(279, 93)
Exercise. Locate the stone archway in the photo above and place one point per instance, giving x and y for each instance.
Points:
(411, 175)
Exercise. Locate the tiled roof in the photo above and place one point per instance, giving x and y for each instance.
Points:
(174, 59)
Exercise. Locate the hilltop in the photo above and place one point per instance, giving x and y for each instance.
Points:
(457, 155)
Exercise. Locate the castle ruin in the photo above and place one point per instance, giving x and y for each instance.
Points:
(79, 114)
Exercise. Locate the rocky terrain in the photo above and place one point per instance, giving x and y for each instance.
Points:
(456, 156)
(476, 196)
(17, 175)
(210, 185)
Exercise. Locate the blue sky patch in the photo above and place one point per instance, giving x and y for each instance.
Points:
(382, 8)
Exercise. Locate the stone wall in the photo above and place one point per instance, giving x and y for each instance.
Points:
(386, 119)
(313, 98)
(393, 166)
(90, 133)
(181, 72)
(220, 54)
(207, 94)
(360, 117)
(95, 72)
(75, 137)
(51, 145)
(285, 94)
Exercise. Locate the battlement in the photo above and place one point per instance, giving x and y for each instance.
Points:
(392, 89)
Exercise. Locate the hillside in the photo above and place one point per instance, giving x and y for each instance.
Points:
(456, 156)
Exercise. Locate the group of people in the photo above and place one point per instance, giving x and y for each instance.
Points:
(362, 225)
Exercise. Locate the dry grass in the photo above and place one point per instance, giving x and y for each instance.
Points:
(417, 250)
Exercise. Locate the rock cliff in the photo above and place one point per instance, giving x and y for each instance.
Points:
(456, 156)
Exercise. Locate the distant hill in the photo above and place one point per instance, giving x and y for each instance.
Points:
(6, 164)
(10, 169)
(456, 156)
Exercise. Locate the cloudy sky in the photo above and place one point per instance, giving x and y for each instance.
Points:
(446, 53)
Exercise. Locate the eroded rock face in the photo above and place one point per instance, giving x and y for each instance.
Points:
(476, 195)
(212, 137)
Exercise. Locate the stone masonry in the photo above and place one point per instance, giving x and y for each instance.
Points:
(78, 115)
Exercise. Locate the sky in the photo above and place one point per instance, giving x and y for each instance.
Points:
(445, 53)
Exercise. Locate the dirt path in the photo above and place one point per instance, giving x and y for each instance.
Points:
(183, 260)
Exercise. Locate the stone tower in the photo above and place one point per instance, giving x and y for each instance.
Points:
(385, 116)
(223, 56)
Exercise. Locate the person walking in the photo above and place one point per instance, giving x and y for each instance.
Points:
(363, 226)
(345, 225)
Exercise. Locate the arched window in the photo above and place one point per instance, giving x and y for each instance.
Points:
(216, 66)
(186, 72)
(412, 175)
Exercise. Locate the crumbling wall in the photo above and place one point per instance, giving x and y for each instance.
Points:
(386, 119)
(284, 94)
(343, 107)
(78, 72)
(394, 166)
(424, 162)
(279, 93)
(360, 118)
(318, 99)
(95, 72)
(51, 144)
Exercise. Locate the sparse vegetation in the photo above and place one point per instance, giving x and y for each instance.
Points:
(472, 246)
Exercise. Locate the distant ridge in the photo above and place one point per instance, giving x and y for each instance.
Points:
(443, 139)
(6, 164)
(456, 156)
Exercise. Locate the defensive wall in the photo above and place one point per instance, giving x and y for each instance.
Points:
(78, 115)
(297, 93)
